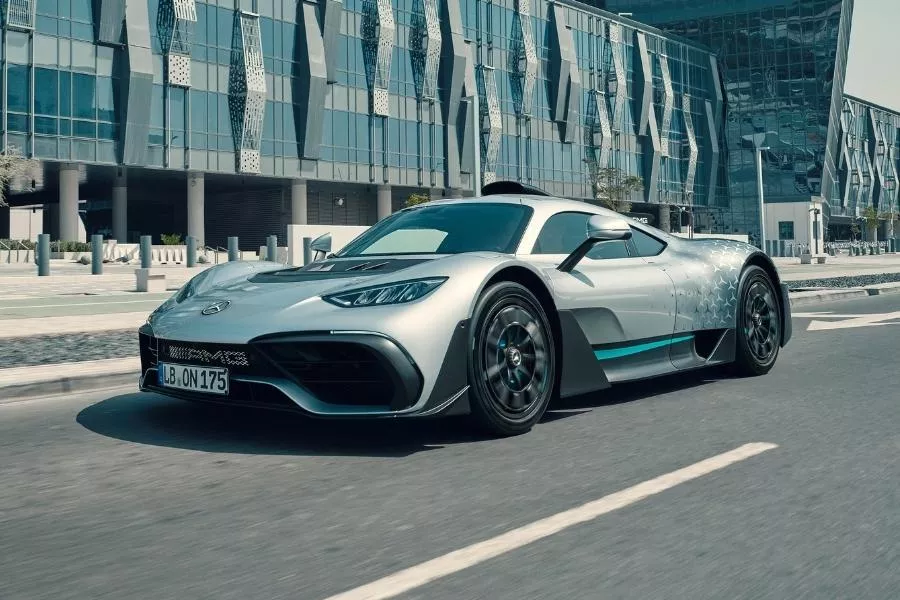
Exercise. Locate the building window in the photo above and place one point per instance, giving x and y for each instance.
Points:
(785, 230)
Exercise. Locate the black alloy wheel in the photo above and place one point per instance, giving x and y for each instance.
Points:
(512, 369)
(759, 324)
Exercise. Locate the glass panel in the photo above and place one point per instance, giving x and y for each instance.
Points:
(18, 123)
(106, 111)
(65, 93)
(81, 10)
(17, 88)
(47, 125)
(106, 131)
(86, 129)
(46, 91)
(84, 95)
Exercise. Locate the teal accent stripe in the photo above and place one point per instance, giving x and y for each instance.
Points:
(638, 348)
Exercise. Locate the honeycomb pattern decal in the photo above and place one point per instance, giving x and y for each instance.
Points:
(707, 296)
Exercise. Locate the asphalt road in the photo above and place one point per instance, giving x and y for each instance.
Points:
(128, 496)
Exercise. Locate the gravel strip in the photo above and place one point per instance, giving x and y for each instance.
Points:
(845, 282)
(68, 348)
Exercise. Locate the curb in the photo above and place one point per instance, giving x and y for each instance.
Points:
(25, 383)
(831, 295)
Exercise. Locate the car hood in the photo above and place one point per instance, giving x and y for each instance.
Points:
(250, 298)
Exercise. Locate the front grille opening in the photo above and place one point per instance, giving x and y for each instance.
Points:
(336, 372)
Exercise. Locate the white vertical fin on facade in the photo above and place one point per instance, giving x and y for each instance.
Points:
(176, 21)
(491, 121)
(523, 63)
(618, 83)
(691, 174)
(379, 37)
(668, 104)
(19, 14)
(425, 49)
(247, 91)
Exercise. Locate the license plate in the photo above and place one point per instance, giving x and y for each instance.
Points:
(210, 380)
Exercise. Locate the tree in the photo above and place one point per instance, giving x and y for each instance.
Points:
(415, 199)
(12, 164)
(613, 188)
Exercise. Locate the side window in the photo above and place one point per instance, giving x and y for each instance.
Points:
(607, 250)
(646, 245)
(562, 233)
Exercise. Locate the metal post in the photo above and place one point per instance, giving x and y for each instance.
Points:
(43, 254)
(191, 251)
(307, 251)
(96, 255)
(762, 205)
(146, 249)
(233, 253)
(272, 248)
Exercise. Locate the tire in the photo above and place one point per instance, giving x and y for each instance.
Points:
(512, 360)
(758, 325)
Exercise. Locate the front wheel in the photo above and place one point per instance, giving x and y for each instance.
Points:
(512, 365)
(758, 324)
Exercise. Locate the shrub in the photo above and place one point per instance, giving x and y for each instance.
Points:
(171, 239)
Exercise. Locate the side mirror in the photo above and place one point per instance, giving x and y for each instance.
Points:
(600, 228)
(321, 245)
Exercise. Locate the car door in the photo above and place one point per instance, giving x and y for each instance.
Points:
(623, 301)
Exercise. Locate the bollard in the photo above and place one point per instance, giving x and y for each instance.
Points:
(233, 252)
(191, 251)
(307, 251)
(96, 255)
(146, 249)
(43, 254)
(272, 248)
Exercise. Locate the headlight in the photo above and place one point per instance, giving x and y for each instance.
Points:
(392, 293)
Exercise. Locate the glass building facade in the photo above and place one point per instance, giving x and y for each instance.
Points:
(236, 117)
(867, 171)
(783, 64)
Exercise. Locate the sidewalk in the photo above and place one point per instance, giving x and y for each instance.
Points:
(838, 266)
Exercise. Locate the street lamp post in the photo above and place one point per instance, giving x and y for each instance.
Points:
(762, 206)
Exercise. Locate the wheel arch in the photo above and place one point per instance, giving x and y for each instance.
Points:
(533, 282)
(765, 263)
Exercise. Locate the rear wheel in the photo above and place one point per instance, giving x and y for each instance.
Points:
(758, 324)
(512, 366)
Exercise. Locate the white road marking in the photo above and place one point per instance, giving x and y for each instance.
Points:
(426, 572)
(874, 320)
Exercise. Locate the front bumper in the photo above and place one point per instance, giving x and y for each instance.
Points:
(324, 374)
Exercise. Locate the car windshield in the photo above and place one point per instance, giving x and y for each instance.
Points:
(445, 229)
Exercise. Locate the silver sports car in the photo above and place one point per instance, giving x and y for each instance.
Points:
(491, 307)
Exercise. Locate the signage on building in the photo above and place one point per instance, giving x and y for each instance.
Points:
(645, 218)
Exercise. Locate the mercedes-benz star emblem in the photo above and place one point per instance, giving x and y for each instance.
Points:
(216, 308)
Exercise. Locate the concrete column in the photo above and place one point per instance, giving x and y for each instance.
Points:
(120, 208)
(299, 202)
(68, 203)
(385, 205)
(665, 218)
(195, 201)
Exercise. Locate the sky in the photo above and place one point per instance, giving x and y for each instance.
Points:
(872, 72)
